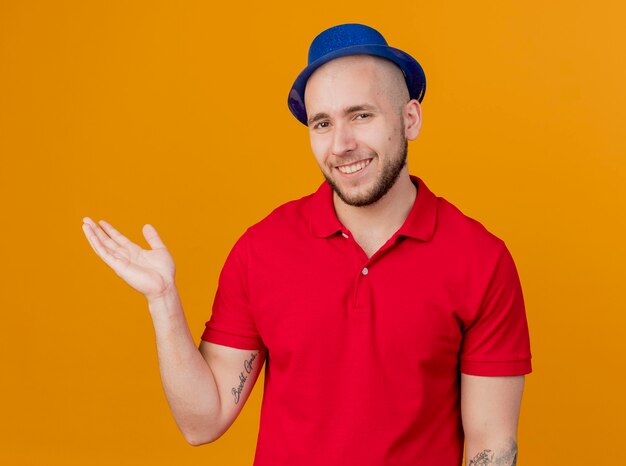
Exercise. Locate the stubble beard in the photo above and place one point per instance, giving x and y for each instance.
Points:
(385, 182)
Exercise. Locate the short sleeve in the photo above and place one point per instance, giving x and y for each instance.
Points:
(231, 322)
(497, 341)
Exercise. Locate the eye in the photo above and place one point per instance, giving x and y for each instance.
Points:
(321, 125)
(362, 116)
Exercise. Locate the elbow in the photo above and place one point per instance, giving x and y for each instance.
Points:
(200, 431)
(196, 439)
(202, 436)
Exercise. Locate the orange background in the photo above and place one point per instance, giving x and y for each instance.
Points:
(174, 114)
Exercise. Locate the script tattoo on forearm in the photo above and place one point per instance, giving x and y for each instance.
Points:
(243, 376)
(488, 457)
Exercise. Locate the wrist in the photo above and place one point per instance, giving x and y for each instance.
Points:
(166, 302)
(166, 294)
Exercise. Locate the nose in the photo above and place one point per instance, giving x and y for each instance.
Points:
(343, 139)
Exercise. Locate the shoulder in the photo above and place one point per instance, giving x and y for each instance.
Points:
(288, 218)
(476, 260)
(467, 236)
(453, 217)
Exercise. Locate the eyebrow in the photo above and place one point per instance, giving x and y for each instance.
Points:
(346, 111)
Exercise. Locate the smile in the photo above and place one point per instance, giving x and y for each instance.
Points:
(355, 167)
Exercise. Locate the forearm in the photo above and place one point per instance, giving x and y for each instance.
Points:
(490, 409)
(188, 382)
(487, 453)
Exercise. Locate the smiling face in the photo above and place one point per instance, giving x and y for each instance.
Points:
(359, 125)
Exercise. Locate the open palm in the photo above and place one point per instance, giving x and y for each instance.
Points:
(149, 271)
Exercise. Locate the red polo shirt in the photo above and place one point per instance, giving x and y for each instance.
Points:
(365, 355)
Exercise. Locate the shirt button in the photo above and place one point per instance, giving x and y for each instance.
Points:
(364, 271)
(344, 235)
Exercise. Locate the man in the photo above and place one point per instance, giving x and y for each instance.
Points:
(392, 326)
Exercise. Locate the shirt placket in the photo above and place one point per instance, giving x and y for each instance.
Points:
(361, 303)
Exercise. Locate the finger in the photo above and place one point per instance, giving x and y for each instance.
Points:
(104, 238)
(95, 228)
(93, 240)
(152, 237)
(90, 222)
(103, 244)
(89, 234)
(98, 247)
(89, 228)
(117, 236)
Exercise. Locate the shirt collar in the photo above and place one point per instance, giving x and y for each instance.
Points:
(419, 224)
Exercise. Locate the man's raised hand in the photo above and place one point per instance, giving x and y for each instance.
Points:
(149, 271)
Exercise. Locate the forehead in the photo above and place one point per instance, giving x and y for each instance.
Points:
(345, 81)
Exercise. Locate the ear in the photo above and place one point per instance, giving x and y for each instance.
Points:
(412, 114)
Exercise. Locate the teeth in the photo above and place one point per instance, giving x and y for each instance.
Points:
(355, 167)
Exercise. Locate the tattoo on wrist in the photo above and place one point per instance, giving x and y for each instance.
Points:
(243, 376)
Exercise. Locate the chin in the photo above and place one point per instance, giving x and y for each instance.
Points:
(357, 197)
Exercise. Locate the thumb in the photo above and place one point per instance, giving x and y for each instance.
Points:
(152, 237)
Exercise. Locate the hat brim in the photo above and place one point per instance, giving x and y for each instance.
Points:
(413, 74)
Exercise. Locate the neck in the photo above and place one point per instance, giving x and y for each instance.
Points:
(384, 217)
